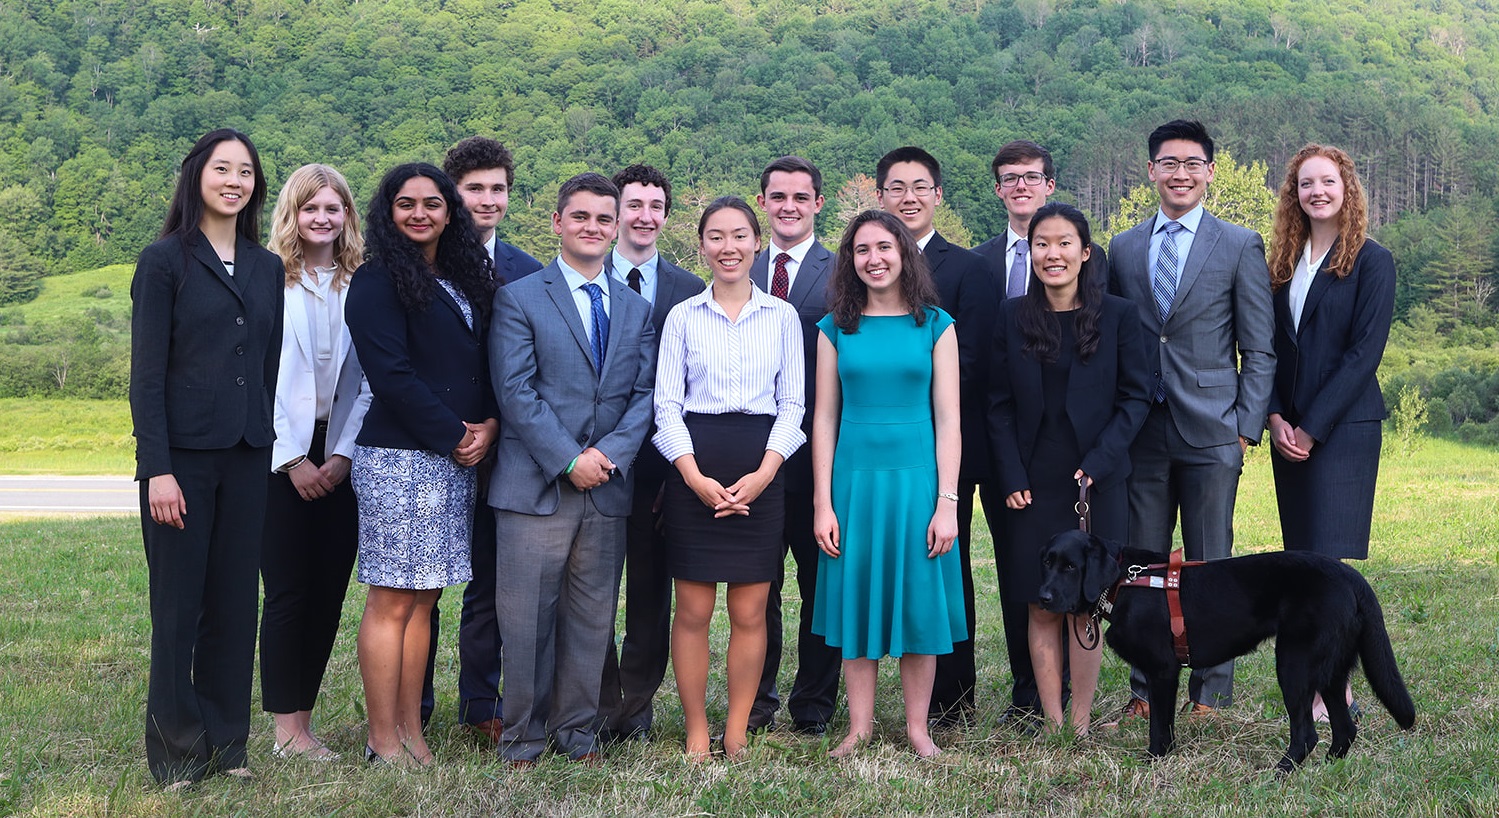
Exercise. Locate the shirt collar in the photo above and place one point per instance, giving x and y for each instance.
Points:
(1011, 237)
(924, 240)
(576, 280)
(797, 253)
(1190, 220)
(621, 266)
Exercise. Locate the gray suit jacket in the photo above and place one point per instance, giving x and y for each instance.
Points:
(553, 404)
(1214, 349)
(809, 296)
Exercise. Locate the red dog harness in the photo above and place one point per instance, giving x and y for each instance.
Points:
(1138, 577)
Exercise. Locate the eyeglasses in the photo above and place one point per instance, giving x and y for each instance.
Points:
(1170, 164)
(922, 191)
(1031, 179)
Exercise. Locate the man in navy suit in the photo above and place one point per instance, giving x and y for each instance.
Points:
(634, 673)
(796, 267)
(574, 363)
(908, 182)
(484, 172)
(1203, 290)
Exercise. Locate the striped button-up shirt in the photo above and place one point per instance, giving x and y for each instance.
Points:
(710, 365)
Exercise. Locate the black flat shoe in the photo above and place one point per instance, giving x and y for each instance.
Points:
(371, 757)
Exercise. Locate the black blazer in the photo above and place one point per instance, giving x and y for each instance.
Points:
(512, 263)
(1325, 373)
(205, 349)
(1107, 398)
(966, 291)
(1096, 268)
(428, 371)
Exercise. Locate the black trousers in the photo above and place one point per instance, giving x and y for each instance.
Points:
(814, 691)
(478, 628)
(306, 556)
(633, 673)
(203, 590)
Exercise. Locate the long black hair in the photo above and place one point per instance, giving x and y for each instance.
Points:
(186, 210)
(1042, 339)
(847, 293)
(461, 257)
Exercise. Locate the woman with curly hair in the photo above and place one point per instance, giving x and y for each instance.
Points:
(1334, 301)
(311, 528)
(885, 451)
(418, 311)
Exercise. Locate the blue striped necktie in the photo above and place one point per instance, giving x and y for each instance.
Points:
(1163, 284)
(600, 339)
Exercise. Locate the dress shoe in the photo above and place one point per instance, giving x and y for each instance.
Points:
(810, 728)
(1195, 709)
(1136, 709)
(317, 752)
(757, 729)
(593, 758)
(491, 729)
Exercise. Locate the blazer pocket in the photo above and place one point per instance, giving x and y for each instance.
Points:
(1227, 376)
(190, 411)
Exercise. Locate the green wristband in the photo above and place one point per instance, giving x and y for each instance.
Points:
(570, 466)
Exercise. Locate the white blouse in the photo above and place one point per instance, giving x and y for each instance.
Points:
(1301, 282)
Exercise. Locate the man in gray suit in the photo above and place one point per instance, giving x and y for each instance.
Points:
(1204, 291)
(574, 361)
(796, 267)
(632, 676)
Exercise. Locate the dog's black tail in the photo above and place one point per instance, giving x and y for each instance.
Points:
(1379, 659)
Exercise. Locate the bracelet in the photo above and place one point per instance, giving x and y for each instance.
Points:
(293, 463)
(947, 495)
(569, 469)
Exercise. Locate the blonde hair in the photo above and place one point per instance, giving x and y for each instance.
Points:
(302, 185)
(1292, 225)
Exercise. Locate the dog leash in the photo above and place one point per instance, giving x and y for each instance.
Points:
(1092, 631)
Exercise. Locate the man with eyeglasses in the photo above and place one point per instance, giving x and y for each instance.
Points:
(908, 184)
(1204, 291)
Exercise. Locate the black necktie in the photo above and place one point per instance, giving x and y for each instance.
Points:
(634, 279)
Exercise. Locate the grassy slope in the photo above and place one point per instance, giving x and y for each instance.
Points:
(63, 295)
(74, 638)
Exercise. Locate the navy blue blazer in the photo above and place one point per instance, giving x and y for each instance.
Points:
(512, 263)
(1108, 397)
(428, 371)
(205, 349)
(1325, 372)
(967, 294)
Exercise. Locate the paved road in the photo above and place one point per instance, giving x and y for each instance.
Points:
(69, 495)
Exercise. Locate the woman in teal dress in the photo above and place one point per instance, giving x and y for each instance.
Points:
(885, 450)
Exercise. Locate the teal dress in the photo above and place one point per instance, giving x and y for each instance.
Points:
(883, 595)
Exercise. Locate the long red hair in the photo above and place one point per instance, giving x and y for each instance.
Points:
(1292, 226)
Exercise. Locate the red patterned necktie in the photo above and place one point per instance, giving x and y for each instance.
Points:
(780, 284)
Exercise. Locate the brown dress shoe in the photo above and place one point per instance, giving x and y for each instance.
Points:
(491, 728)
(1199, 709)
(1136, 709)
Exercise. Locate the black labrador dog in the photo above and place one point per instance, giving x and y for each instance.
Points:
(1323, 614)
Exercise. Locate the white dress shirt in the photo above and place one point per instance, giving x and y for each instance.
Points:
(620, 267)
(1191, 220)
(581, 299)
(793, 265)
(1301, 282)
(711, 365)
(1011, 237)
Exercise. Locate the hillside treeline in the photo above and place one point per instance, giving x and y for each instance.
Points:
(99, 99)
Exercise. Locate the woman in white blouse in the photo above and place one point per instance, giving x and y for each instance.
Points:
(311, 524)
(729, 405)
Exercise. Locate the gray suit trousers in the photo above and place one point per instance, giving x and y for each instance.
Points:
(557, 587)
(1171, 477)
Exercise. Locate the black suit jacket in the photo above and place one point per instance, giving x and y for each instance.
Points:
(673, 286)
(993, 251)
(428, 371)
(1108, 397)
(1325, 372)
(512, 263)
(809, 294)
(205, 349)
(967, 293)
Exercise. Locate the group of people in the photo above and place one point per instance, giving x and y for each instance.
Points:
(449, 410)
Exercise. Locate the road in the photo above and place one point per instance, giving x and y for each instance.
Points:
(68, 495)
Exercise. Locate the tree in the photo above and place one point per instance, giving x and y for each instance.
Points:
(1237, 195)
(20, 272)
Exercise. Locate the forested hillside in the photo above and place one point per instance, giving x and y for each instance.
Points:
(99, 99)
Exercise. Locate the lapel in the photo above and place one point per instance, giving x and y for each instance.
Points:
(810, 277)
(666, 287)
(620, 306)
(936, 252)
(1320, 284)
(296, 313)
(1208, 232)
(760, 270)
(562, 299)
(445, 298)
(204, 253)
(1283, 322)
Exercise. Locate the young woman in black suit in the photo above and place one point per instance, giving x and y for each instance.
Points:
(205, 345)
(1068, 393)
(1334, 301)
(418, 311)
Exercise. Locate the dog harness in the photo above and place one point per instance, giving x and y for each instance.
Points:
(1140, 576)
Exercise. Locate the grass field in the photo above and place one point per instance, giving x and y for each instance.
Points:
(73, 653)
(63, 436)
(72, 294)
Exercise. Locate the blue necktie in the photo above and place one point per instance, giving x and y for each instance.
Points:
(600, 340)
(1163, 284)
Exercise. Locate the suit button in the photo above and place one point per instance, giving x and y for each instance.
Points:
(1163, 339)
(583, 440)
(239, 350)
(474, 381)
(240, 381)
(239, 320)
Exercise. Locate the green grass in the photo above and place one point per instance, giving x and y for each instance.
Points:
(65, 436)
(72, 294)
(73, 653)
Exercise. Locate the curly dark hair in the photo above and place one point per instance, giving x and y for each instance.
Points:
(478, 153)
(645, 175)
(461, 258)
(1042, 339)
(847, 293)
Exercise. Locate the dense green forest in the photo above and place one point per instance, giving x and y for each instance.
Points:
(99, 99)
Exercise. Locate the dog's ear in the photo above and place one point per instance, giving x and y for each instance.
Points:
(1100, 569)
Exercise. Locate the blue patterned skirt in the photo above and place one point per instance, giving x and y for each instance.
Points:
(416, 517)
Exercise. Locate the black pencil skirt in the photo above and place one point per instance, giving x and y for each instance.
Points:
(739, 548)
